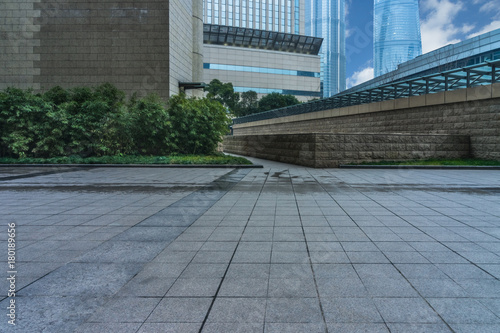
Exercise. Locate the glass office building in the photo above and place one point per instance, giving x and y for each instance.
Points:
(271, 15)
(262, 61)
(260, 45)
(326, 19)
(396, 35)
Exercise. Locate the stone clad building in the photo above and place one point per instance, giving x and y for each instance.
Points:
(144, 46)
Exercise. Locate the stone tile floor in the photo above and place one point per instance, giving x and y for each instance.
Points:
(279, 249)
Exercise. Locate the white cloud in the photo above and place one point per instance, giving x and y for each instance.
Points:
(467, 28)
(360, 77)
(437, 28)
(489, 6)
(490, 27)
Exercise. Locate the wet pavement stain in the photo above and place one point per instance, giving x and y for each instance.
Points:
(101, 188)
(27, 174)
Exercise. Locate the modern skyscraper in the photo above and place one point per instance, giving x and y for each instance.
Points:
(271, 15)
(396, 35)
(326, 19)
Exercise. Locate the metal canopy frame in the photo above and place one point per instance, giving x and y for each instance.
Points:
(467, 77)
(260, 39)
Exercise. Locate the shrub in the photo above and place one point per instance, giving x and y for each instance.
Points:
(197, 124)
(97, 116)
(97, 121)
(149, 126)
(29, 125)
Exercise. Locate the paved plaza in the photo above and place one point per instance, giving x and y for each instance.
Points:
(277, 249)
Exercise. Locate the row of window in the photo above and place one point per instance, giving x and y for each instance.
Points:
(264, 70)
(279, 91)
(257, 14)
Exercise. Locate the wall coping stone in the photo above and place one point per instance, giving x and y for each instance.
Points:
(450, 97)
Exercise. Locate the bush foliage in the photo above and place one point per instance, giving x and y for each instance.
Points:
(100, 121)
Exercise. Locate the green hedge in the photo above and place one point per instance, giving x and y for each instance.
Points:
(99, 121)
(217, 158)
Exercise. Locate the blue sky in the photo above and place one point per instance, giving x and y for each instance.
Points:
(443, 22)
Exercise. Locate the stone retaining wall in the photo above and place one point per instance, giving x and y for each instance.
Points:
(474, 112)
(321, 150)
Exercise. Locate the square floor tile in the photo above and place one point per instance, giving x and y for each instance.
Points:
(243, 287)
(237, 310)
(196, 287)
(293, 310)
(463, 311)
(180, 310)
(350, 310)
(406, 310)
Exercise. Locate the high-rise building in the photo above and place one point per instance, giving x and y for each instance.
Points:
(326, 19)
(271, 15)
(260, 45)
(396, 35)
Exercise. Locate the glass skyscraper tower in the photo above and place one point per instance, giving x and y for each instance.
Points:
(270, 15)
(326, 19)
(396, 35)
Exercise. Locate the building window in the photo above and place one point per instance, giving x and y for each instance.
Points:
(263, 14)
(279, 91)
(257, 15)
(270, 13)
(262, 70)
(297, 17)
(244, 13)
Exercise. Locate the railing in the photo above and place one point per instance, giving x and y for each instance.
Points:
(471, 76)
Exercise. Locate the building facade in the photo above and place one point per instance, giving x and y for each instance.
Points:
(262, 61)
(271, 15)
(476, 50)
(396, 36)
(326, 19)
(260, 45)
(139, 46)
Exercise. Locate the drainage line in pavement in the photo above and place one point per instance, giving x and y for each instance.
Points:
(308, 254)
(222, 185)
(231, 260)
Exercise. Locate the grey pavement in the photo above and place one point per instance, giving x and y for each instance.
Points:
(278, 249)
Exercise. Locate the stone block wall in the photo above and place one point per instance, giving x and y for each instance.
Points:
(294, 149)
(139, 46)
(17, 43)
(321, 150)
(474, 112)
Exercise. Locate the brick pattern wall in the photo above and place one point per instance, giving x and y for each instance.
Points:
(92, 42)
(17, 42)
(478, 119)
(330, 150)
(140, 46)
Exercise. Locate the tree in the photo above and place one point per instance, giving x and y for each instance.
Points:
(223, 93)
(249, 103)
(276, 101)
